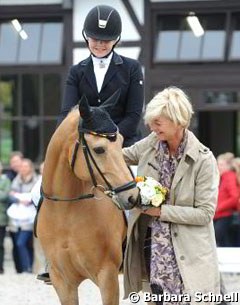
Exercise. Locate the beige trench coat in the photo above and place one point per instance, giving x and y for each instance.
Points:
(193, 198)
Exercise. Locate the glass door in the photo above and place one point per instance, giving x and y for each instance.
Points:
(29, 106)
(218, 130)
(9, 131)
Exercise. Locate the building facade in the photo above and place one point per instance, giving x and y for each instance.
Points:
(206, 67)
(33, 71)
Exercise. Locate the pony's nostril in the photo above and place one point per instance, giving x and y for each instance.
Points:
(132, 200)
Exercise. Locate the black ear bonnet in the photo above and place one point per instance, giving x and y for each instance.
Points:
(96, 120)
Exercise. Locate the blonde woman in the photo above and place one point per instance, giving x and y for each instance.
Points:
(173, 246)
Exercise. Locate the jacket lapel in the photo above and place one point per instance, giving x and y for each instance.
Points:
(180, 172)
(112, 70)
(191, 153)
(89, 73)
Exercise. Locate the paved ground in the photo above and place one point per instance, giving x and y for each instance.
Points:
(24, 289)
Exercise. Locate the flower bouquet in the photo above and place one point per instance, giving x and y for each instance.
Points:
(152, 192)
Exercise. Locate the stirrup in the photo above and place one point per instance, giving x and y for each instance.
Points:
(44, 277)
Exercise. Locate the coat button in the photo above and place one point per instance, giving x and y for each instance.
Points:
(182, 258)
(175, 234)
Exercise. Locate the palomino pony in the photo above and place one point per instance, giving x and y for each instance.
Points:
(80, 229)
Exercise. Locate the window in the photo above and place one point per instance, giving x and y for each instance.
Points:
(175, 41)
(8, 44)
(235, 45)
(214, 38)
(222, 98)
(168, 39)
(43, 46)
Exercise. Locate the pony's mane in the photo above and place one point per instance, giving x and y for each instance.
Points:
(74, 112)
(67, 129)
(74, 108)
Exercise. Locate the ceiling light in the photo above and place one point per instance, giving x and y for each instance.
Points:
(19, 29)
(195, 25)
(23, 35)
(16, 25)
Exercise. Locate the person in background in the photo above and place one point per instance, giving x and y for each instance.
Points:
(5, 185)
(39, 262)
(227, 200)
(22, 235)
(16, 158)
(36, 190)
(105, 72)
(167, 244)
(236, 220)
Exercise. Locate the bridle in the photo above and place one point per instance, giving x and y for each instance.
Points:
(110, 190)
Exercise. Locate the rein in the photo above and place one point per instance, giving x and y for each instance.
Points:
(44, 195)
(88, 158)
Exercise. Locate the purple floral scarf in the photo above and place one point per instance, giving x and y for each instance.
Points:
(164, 268)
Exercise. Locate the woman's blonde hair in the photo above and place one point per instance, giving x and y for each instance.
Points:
(171, 103)
(227, 156)
(236, 168)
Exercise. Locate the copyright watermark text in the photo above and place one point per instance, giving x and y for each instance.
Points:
(233, 297)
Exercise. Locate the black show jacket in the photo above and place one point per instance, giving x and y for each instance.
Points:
(124, 73)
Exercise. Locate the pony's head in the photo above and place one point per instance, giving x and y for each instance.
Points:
(97, 156)
(97, 119)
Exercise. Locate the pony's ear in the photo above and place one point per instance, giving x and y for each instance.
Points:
(111, 101)
(84, 108)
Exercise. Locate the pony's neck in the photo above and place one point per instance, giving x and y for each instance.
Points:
(58, 178)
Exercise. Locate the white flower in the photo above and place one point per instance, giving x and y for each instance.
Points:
(151, 191)
(157, 200)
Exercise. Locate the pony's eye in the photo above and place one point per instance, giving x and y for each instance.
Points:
(99, 150)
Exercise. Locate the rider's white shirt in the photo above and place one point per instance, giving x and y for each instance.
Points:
(100, 66)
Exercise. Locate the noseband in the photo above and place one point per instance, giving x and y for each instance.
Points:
(110, 190)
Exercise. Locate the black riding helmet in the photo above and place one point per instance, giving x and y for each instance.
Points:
(103, 22)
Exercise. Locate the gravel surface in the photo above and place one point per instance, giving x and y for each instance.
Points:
(24, 289)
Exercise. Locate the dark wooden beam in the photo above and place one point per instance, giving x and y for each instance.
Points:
(31, 11)
(133, 16)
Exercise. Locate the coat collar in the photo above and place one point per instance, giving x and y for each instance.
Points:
(116, 59)
(192, 148)
(88, 72)
(112, 70)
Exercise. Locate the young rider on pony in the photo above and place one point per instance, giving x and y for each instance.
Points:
(103, 73)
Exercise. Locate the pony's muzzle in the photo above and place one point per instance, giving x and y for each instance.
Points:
(126, 202)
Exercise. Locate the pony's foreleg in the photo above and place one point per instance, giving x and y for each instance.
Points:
(109, 285)
(67, 292)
